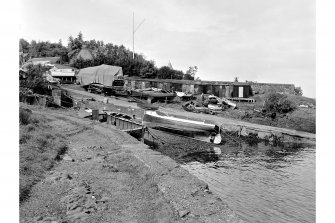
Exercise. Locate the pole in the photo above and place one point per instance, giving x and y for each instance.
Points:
(133, 33)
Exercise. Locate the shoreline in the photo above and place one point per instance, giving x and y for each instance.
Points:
(103, 157)
(240, 127)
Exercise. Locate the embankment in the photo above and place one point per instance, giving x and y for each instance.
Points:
(108, 176)
(228, 124)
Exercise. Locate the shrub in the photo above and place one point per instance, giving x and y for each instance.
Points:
(35, 80)
(24, 116)
(276, 102)
(298, 91)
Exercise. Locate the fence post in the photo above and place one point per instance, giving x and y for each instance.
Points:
(109, 119)
(95, 114)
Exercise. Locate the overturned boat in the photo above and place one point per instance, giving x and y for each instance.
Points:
(198, 130)
(153, 93)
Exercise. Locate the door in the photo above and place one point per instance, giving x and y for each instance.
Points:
(240, 92)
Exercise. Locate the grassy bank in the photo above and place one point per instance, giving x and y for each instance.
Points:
(299, 118)
(40, 148)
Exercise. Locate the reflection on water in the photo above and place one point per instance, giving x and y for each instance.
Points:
(261, 183)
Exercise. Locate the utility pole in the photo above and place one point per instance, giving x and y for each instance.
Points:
(133, 34)
(134, 30)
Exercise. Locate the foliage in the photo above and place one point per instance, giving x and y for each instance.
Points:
(43, 49)
(298, 91)
(24, 116)
(103, 53)
(276, 102)
(166, 72)
(190, 73)
(34, 79)
(23, 46)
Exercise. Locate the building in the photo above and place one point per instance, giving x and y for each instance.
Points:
(65, 74)
(218, 88)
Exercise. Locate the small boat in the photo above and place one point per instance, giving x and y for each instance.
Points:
(199, 130)
(227, 102)
(153, 93)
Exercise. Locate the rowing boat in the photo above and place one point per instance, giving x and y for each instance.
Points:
(196, 129)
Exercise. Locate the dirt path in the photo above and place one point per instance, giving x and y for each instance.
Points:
(107, 176)
(117, 101)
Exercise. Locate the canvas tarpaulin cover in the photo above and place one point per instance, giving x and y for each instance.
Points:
(103, 74)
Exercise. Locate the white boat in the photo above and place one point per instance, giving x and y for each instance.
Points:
(199, 130)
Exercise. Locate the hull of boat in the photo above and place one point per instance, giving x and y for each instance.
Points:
(153, 119)
(176, 125)
(152, 94)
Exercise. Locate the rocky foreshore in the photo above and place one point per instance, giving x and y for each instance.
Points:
(108, 176)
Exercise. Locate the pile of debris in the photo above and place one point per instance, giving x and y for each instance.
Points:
(209, 104)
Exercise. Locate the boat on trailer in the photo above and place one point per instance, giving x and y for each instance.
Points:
(199, 130)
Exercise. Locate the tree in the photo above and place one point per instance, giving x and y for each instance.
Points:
(190, 73)
(236, 79)
(35, 80)
(165, 72)
(298, 91)
(23, 46)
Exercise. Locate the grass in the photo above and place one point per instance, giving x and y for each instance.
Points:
(40, 148)
(301, 119)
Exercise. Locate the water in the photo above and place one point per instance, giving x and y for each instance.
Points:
(260, 183)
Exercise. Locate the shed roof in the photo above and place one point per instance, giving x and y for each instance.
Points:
(62, 66)
(52, 60)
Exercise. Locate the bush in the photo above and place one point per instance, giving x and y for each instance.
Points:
(276, 102)
(24, 116)
(35, 80)
(298, 91)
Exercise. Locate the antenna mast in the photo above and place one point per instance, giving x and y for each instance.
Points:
(133, 34)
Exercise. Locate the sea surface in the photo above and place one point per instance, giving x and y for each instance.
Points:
(261, 183)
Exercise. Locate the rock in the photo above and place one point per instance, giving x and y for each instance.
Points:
(194, 192)
(183, 213)
(68, 158)
(67, 176)
(38, 218)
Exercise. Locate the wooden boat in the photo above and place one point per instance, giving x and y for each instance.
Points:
(227, 102)
(153, 93)
(195, 129)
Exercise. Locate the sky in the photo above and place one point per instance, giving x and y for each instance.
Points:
(256, 40)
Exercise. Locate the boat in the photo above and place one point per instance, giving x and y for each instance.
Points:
(227, 102)
(199, 130)
(153, 93)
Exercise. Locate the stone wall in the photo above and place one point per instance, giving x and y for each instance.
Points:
(261, 88)
(223, 89)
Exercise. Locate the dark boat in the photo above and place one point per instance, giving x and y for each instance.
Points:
(195, 129)
(153, 93)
